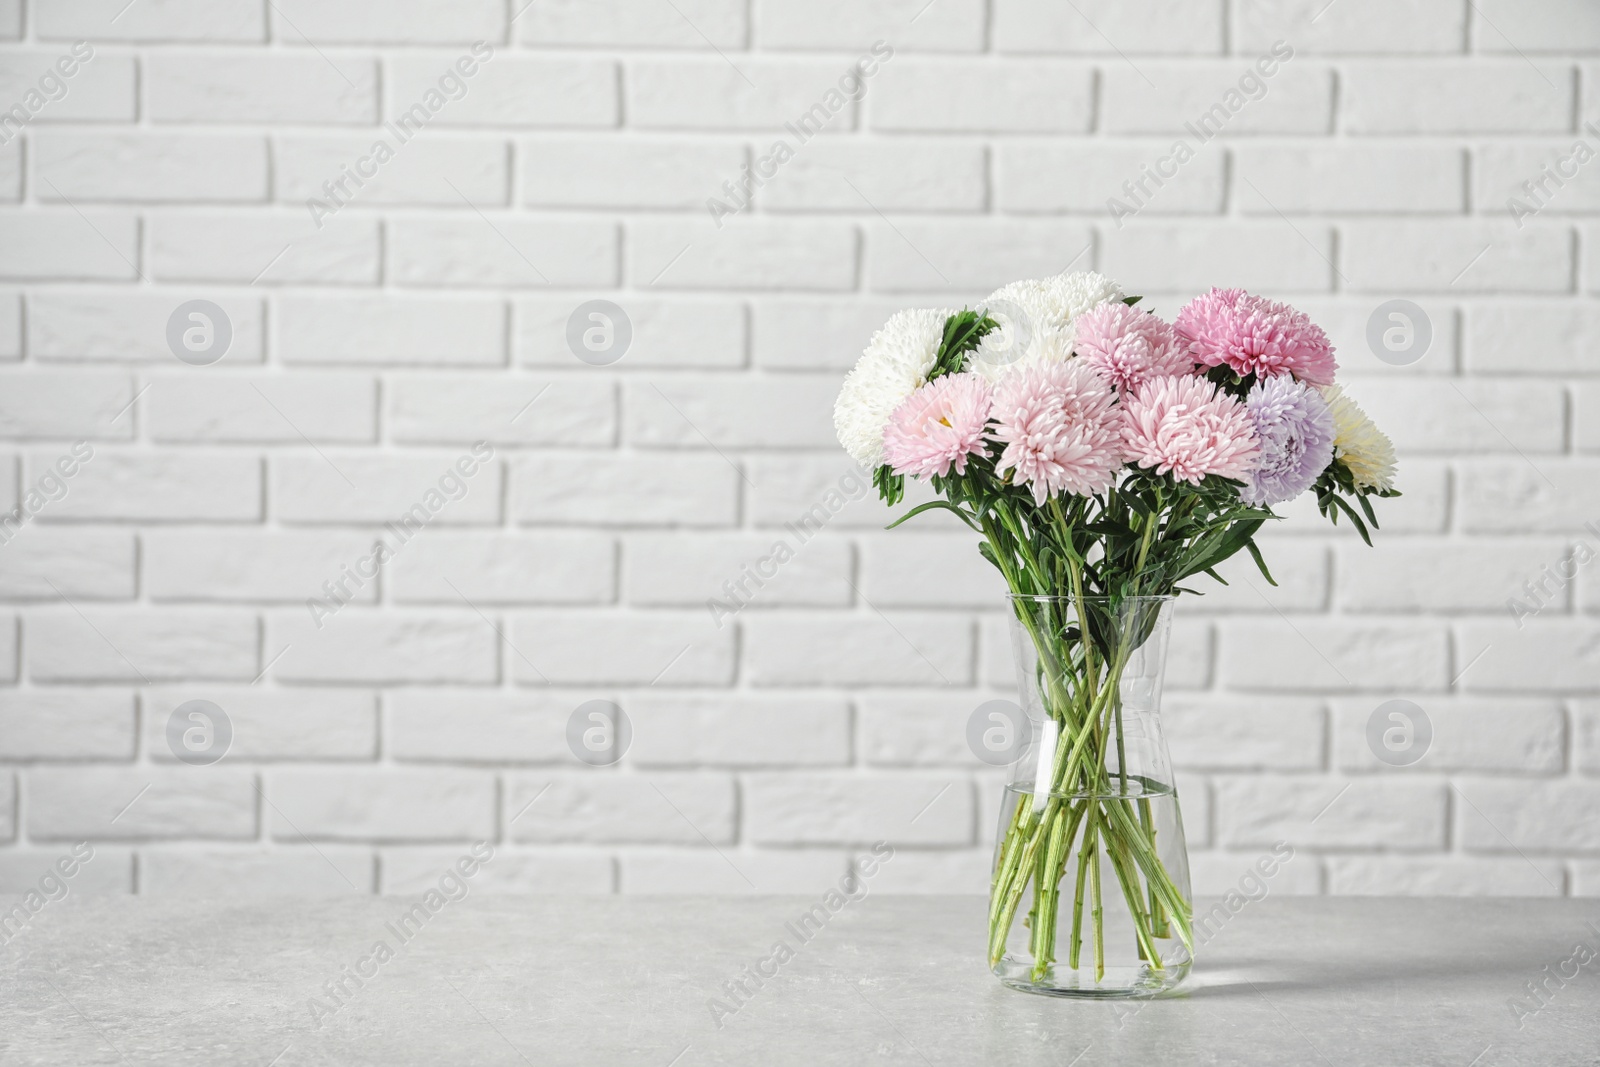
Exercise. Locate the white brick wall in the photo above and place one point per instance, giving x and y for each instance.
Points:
(427, 309)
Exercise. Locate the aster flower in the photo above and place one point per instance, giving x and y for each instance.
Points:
(1185, 425)
(1036, 317)
(939, 426)
(1365, 450)
(1295, 430)
(1253, 335)
(895, 363)
(1060, 427)
(1130, 346)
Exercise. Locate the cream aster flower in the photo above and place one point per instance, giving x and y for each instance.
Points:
(1363, 448)
(897, 360)
(1036, 317)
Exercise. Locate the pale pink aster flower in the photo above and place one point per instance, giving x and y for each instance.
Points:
(938, 427)
(1130, 346)
(1257, 336)
(1061, 429)
(1187, 426)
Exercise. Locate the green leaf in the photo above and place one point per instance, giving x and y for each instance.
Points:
(1261, 564)
(943, 505)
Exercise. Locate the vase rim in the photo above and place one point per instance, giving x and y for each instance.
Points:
(1156, 598)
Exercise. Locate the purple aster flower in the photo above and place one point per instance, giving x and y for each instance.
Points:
(1295, 428)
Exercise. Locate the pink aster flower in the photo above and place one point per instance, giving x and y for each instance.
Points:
(1185, 425)
(1257, 336)
(938, 426)
(1061, 429)
(1130, 346)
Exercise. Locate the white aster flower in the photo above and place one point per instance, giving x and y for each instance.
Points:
(1357, 441)
(897, 360)
(1036, 317)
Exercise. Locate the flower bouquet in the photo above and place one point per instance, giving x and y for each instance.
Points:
(1105, 457)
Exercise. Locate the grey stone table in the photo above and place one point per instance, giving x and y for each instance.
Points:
(894, 980)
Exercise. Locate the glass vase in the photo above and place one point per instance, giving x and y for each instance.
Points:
(1090, 893)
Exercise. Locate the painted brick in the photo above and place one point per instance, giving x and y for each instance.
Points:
(481, 251)
(300, 870)
(106, 804)
(1198, 101)
(428, 168)
(66, 724)
(738, 731)
(310, 724)
(383, 804)
(1456, 96)
(659, 808)
(46, 563)
(843, 809)
(625, 490)
(968, 255)
(840, 25)
(150, 167)
(100, 325)
(1047, 177)
(611, 648)
(394, 648)
(63, 245)
(1423, 26)
(156, 486)
(168, 20)
(686, 332)
(140, 645)
(447, 409)
(605, 172)
(438, 566)
(857, 650)
(743, 254)
(291, 408)
(229, 87)
(506, 90)
(981, 96)
(1468, 734)
(299, 22)
(411, 331)
(690, 24)
(721, 573)
(787, 411)
(244, 565)
(1104, 27)
(268, 249)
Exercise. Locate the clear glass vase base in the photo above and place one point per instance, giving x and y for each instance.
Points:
(1118, 983)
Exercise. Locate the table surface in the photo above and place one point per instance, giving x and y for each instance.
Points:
(893, 980)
